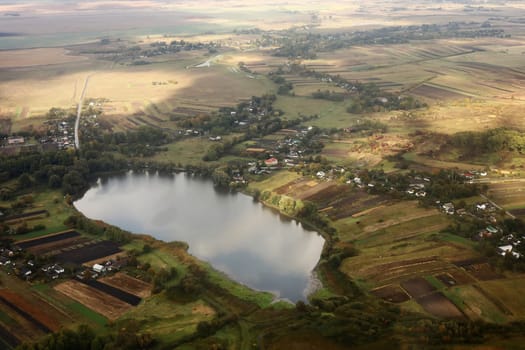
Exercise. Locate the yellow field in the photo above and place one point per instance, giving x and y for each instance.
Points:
(165, 85)
(36, 57)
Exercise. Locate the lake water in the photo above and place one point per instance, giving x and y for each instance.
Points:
(251, 243)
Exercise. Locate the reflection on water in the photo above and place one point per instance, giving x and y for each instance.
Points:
(236, 235)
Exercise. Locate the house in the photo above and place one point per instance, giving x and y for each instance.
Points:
(58, 269)
(99, 268)
(448, 208)
(504, 249)
(25, 272)
(481, 206)
(271, 162)
(321, 174)
(15, 140)
(492, 230)
(468, 175)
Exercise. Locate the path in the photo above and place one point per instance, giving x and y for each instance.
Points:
(79, 112)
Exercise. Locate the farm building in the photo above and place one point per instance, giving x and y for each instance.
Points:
(99, 268)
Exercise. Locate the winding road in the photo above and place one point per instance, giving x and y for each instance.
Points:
(79, 112)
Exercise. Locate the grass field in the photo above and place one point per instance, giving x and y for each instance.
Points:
(509, 293)
(510, 194)
(274, 181)
(331, 114)
(170, 321)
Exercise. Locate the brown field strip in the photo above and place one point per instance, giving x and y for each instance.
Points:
(100, 302)
(21, 328)
(8, 337)
(399, 220)
(36, 57)
(38, 314)
(103, 259)
(128, 284)
(22, 242)
(391, 293)
(417, 287)
(438, 305)
(57, 246)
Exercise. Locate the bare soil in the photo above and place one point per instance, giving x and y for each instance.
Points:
(417, 287)
(436, 93)
(483, 272)
(438, 305)
(391, 293)
(98, 301)
(37, 313)
(36, 57)
(129, 284)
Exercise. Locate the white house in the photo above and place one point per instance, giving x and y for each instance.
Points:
(99, 268)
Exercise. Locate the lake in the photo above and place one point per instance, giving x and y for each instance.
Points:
(248, 241)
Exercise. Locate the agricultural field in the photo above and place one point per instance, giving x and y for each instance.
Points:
(395, 260)
(28, 313)
(133, 95)
(98, 301)
(509, 194)
(88, 252)
(128, 284)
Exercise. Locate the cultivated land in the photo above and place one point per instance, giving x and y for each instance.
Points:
(370, 189)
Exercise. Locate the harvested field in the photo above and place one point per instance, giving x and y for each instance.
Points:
(518, 212)
(303, 188)
(461, 277)
(483, 272)
(353, 203)
(509, 193)
(98, 301)
(391, 293)
(438, 305)
(129, 284)
(47, 239)
(17, 326)
(405, 218)
(104, 259)
(36, 314)
(8, 338)
(436, 93)
(329, 194)
(465, 263)
(27, 215)
(417, 287)
(88, 253)
(36, 57)
(113, 291)
(389, 268)
(54, 248)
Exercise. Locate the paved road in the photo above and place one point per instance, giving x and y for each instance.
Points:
(79, 112)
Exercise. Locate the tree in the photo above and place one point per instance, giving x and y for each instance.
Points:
(24, 181)
(54, 181)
